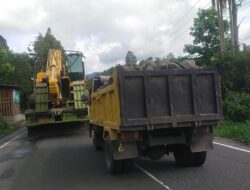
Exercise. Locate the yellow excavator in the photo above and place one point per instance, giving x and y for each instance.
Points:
(59, 94)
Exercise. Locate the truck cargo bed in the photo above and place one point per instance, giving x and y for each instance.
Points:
(173, 98)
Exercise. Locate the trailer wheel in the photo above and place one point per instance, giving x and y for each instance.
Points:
(97, 140)
(199, 158)
(113, 166)
(128, 164)
(183, 156)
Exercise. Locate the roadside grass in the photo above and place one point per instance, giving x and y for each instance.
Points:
(236, 131)
(6, 128)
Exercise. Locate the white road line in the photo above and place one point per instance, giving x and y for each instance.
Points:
(11, 140)
(232, 147)
(152, 177)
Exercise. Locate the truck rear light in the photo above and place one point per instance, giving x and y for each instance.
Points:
(129, 135)
(204, 129)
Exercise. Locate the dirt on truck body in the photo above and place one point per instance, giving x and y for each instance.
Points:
(155, 112)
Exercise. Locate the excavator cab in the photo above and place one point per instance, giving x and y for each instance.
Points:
(75, 65)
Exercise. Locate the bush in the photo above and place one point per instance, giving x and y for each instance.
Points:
(237, 106)
(6, 128)
(235, 69)
(236, 131)
(3, 123)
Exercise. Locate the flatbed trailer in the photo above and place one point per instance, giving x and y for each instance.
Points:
(153, 113)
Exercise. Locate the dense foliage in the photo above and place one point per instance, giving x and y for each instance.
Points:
(6, 128)
(234, 68)
(130, 58)
(6, 69)
(235, 72)
(206, 37)
(237, 106)
(18, 68)
(41, 46)
(3, 43)
(236, 131)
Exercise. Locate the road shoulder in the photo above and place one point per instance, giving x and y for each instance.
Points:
(231, 143)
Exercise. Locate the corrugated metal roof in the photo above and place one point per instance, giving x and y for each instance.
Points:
(8, 86)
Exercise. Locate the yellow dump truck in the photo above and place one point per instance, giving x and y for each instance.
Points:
(153, 113)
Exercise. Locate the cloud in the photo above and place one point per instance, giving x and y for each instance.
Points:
(104, 30)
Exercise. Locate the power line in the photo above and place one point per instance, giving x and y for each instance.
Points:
(187, 26)
(178, 37)
(178, 22)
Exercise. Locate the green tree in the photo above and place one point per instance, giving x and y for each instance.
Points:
(6, 69)
(41, 46)
(16, 69)
(108, 72)
(157, 60)
(21, 70)
(3, 43)
(149, 59)
(171, 57)
(206, 36)
(23, 65)
(131, 58)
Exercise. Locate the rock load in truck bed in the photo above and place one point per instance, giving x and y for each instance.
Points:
(163, 64)
(149, 66)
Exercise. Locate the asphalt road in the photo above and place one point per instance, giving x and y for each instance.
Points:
(70, 162)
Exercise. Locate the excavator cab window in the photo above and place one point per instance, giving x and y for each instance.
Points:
(75, 66)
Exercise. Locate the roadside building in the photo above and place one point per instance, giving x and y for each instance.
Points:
(10, 103)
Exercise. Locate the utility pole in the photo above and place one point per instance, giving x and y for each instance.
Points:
(221, 25)
(213, 4)
(230, 5)
(235, 25)
(234, 28)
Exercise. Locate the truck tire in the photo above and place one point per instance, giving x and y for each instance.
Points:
(184, 157)
(199, 158)
(113, 166)
(32, 134)
(128, 164)
(97, 140)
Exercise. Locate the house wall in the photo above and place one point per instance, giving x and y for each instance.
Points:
(9, 102)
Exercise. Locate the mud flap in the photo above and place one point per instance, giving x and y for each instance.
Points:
(124, 150)
(201, 142)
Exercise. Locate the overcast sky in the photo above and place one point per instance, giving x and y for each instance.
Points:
(104, 30)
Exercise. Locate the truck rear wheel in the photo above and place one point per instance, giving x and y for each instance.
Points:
(98, 140)
(113, 166)
(32, 134)
(128, 164)
(184, 157)
(199, 158)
